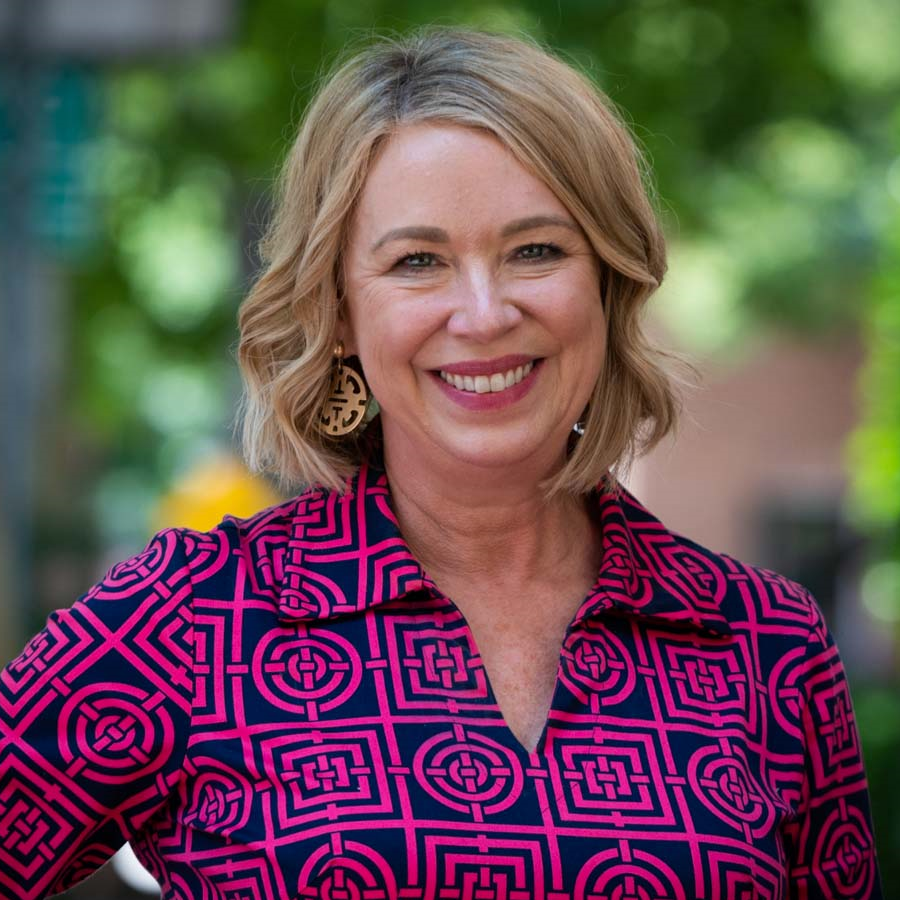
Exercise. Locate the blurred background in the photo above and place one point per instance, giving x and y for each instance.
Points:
(139, 140)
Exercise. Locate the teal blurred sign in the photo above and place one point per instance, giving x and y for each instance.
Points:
(58, 125)
(50, 51)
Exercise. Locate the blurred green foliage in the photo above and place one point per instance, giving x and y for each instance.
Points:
(773, 129)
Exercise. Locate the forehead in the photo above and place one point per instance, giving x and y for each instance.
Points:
(441, 174)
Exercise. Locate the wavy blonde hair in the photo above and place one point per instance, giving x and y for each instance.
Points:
(560, 127)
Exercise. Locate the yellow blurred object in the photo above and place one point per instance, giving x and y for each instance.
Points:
(217, 486)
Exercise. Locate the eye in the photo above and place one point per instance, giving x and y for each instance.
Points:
(421, 259)
(538, 252)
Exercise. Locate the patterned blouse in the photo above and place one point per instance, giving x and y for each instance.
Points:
(287, 707)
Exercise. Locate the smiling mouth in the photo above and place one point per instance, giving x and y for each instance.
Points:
(494, 383)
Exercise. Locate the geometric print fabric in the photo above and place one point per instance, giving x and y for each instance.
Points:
(287, 707)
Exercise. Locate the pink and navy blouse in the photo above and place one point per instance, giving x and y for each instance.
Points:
(287, 707)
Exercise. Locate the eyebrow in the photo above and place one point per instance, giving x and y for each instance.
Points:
(530, 222)
(439, 236)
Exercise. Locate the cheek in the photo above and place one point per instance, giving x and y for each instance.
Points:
(579, 328)
(577, 318)
(589, 310)
(390, 339)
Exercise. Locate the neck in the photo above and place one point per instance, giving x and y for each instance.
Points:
(496, 525)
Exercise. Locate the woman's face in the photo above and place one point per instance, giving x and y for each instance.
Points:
(472, 301)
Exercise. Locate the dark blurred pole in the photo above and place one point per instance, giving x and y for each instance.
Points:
(24, 281)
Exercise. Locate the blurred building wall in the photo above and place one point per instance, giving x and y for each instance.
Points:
(757, 471)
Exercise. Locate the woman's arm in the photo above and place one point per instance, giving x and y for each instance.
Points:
(94, 721)
(830, 844)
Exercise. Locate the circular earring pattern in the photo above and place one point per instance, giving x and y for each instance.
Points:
(345, 406)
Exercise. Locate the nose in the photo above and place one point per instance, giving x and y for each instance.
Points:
(483, 309)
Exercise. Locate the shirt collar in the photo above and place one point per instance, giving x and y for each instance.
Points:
(346, 555)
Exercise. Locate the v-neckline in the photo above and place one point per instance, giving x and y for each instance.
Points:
(489, 684)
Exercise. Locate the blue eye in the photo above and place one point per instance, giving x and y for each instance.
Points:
(538, 252)
(418, 260)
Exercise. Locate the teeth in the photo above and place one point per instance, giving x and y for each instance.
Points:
(483, 384)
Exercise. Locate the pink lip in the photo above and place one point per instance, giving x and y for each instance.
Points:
(488, 366)
(490, 400)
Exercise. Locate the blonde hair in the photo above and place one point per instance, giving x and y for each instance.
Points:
(560, 127)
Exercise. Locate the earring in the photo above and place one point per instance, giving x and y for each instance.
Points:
(579, 427)
(345, 406)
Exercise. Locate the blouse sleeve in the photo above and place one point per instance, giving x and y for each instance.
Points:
(830, 844)
(94, 721)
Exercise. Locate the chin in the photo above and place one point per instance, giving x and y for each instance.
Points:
(502, 449)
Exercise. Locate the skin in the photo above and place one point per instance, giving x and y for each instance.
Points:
(466, 483)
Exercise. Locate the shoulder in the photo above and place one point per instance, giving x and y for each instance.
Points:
(272, 527)
(759, 597)
(750, 597)
(255, 550)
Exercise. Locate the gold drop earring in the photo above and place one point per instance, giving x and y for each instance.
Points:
(345, 406)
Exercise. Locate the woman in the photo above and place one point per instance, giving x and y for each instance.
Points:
(293, 706)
